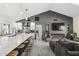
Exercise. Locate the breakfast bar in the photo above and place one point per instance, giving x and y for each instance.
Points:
(7, 44)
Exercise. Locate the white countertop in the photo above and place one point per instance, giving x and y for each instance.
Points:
(7, 44)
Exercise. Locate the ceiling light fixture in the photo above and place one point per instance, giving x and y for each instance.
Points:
(26, 15)
(21, 13)
(26, 18)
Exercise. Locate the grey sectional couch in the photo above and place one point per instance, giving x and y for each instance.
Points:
(64, 48)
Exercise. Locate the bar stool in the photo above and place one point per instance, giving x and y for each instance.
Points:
(20, 49)
(13, 53)
(28, 48)
(21, 46)
(26, 42)
(29, 39)
(31, 43)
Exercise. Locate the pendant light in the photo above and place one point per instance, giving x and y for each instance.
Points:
(26, 18)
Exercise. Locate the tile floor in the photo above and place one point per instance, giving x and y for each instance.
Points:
(41, 48)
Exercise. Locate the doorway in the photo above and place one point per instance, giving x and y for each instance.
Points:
(39, 31)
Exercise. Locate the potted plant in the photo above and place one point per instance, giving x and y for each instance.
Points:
(71, 35)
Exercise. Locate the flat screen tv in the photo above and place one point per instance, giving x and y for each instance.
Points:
(56, 26)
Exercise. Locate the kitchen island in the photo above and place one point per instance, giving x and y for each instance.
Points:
(7, 44)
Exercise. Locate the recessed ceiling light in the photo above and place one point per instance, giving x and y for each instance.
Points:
(21, 13)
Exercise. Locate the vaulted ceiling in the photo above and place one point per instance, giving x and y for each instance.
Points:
(10, 12)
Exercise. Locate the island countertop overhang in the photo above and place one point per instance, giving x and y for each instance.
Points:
(7, 44)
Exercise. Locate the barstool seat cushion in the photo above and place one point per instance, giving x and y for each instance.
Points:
(21, 46)
(13, 53)
(26, 42)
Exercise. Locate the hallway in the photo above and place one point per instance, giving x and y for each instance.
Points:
(41, 48)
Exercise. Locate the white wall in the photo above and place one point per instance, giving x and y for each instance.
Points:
(47, 18)
(76, 25)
